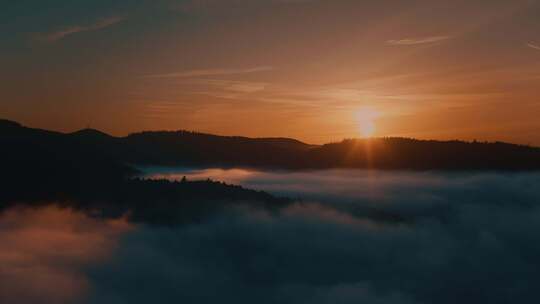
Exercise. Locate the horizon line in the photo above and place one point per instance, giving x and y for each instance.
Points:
(5, 120)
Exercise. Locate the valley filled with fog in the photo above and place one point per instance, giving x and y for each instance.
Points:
(347, 236)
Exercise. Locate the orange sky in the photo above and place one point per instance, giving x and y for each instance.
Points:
(297, 68)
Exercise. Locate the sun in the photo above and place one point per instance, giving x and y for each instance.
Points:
(367, 129)
(366, 122)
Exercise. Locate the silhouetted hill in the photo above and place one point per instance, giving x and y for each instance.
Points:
(91, 133)
(5, 124)
(190, 148)
(412, 154)
(99, 151)
(150, 201)
(85, 170)
(62, 156)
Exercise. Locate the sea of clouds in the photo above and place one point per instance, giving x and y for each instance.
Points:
(353, 237)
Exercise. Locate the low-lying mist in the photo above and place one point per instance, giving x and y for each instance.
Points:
(353, 237)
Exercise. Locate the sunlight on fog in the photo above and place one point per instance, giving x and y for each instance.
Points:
(45, 250)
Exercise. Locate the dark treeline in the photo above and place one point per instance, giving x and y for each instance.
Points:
(159, 202)
(93, 172)
(412, 154)
(182, 148)
(41, 167)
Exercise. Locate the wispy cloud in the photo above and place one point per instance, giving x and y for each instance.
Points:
(229, 89)
(210, 72)
(220, 6)
(414, 41)
(238, 86)
(62, 33)
(534, 46)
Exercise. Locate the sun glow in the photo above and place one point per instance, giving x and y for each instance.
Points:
(366, 122)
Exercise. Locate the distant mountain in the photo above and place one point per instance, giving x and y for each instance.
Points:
(91, 134)
(190, 148)
(412, 154)
(6, 124)
(95, 150)
(87, 170)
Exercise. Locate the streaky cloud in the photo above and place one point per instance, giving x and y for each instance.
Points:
(415, 41)
(218, 5)
(533, 46)
(210, 72)
(67, 31)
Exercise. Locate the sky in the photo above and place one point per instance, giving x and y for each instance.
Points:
(315, 70)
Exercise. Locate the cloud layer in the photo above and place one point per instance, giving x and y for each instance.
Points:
(357, 237)
(210, 72)
(44, 252)
(534, 46)
(414, 41)
(67, 31)
(445, 239)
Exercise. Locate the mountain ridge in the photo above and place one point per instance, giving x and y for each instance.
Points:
(187, 148)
